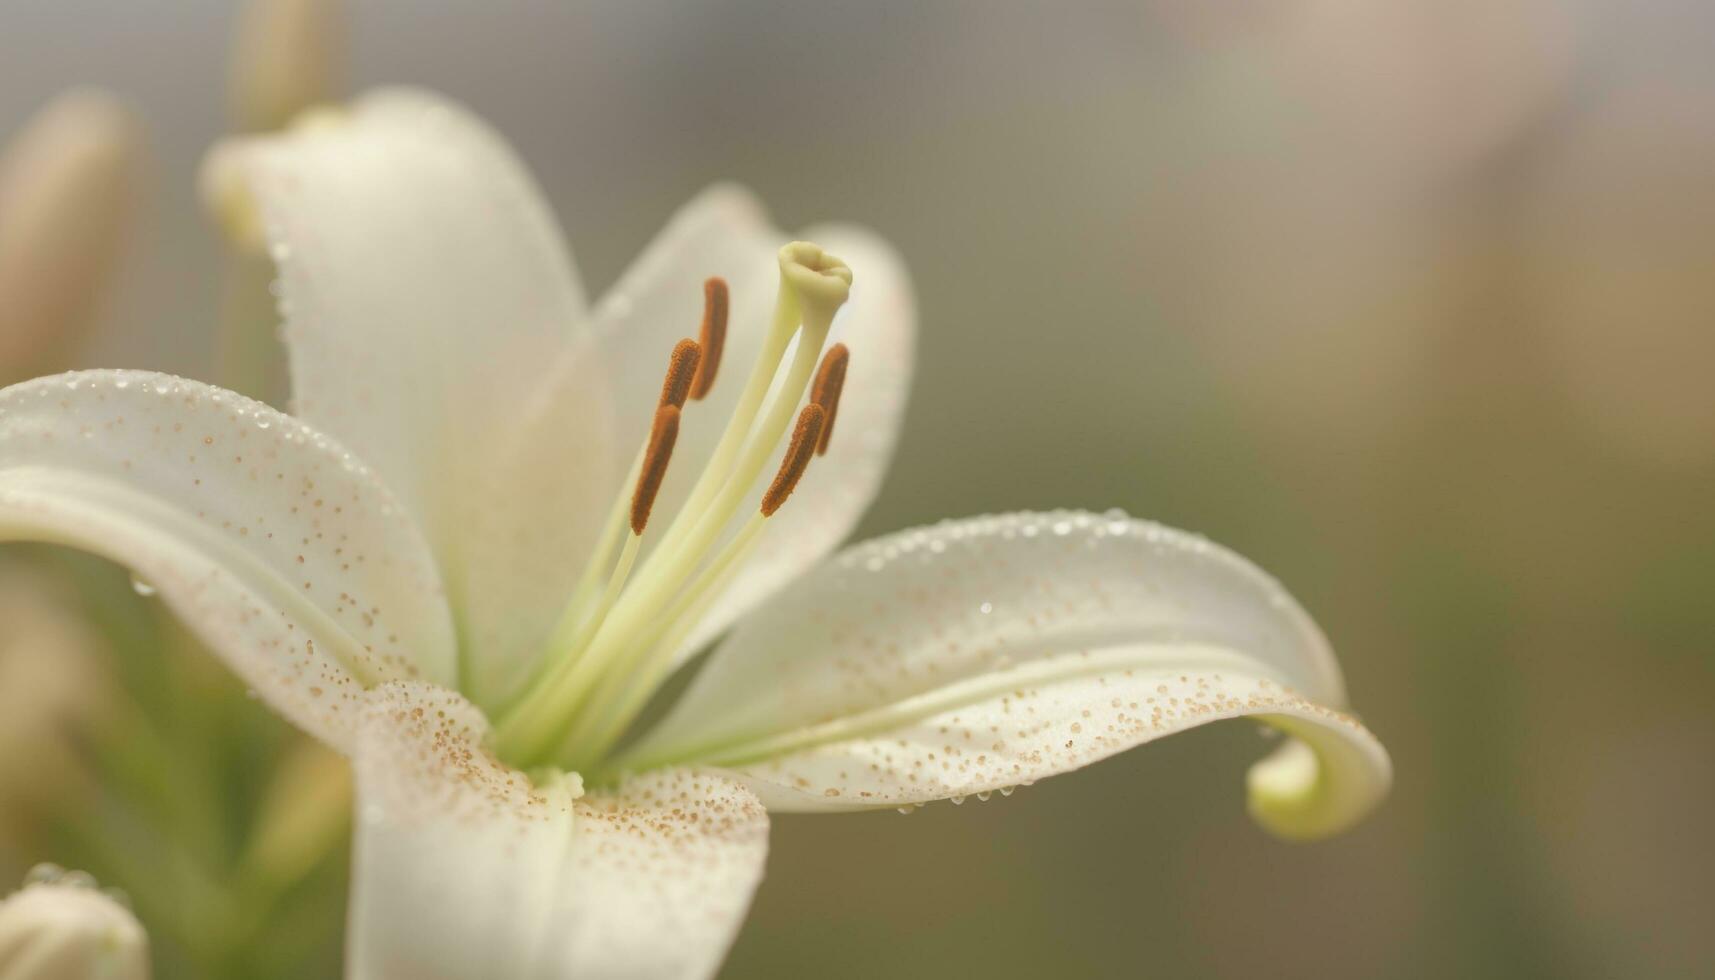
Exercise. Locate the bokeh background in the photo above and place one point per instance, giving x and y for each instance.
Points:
(1411, 301)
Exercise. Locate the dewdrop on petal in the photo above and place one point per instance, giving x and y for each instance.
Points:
(286, 58)
(68, 185)
(59, 926)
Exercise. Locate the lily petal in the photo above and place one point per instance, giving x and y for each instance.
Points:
(533, 522)
(463, 870)
(281, 551)
(725, 232)
(986, 653)
(429, 301)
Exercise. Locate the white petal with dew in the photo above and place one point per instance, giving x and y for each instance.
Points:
(429, 301)
(985, 653)
(278, 548)
(533, 521)
(462, 869)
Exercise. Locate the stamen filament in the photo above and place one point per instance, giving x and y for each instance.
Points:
(615, 584)
(682, 366)
(621, 695)
(600, 561)
(529, 728)
(579, 623)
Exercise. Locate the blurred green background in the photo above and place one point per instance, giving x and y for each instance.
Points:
(1411, 302)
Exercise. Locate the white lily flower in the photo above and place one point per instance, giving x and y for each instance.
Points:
(459, 564)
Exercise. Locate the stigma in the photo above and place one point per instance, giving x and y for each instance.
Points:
(652, 575)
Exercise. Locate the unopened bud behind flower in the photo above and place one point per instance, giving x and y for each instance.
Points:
(304, 812)
(285, 59)
(54, 692)
(68, 182)
(61, 927)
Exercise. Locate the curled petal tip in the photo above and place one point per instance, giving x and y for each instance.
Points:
(1317, 786)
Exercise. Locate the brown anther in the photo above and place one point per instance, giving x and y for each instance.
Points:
(662, 436)
(797, 460)
(830, 378)
(681, 368)
(712, 336)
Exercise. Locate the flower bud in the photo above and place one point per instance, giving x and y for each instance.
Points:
(54, 692)
(60, 927)
(285, 59)
(68, 182)
(305, 811)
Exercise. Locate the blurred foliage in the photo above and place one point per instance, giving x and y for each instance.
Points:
(185, 761)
